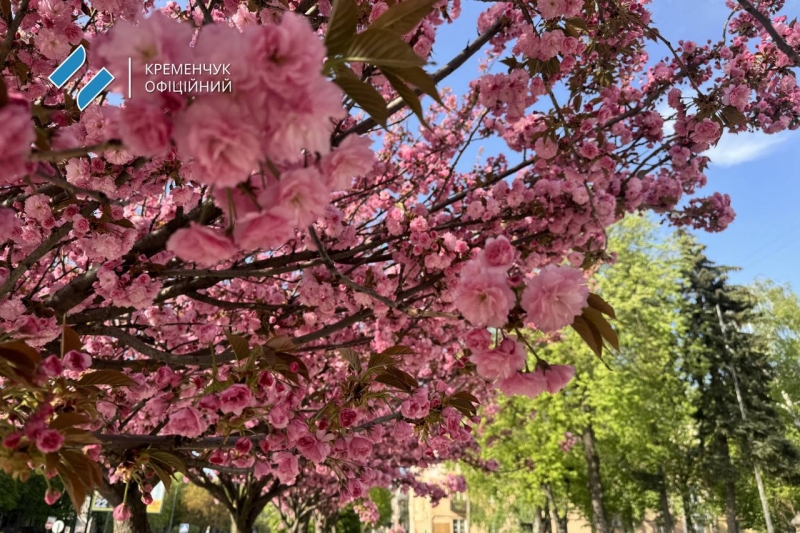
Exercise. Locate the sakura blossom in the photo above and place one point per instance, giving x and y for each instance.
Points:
(293, 278)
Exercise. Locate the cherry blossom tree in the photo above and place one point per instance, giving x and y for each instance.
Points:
(270, 259)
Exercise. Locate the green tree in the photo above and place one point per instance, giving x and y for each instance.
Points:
(727, 364)
(631, 413)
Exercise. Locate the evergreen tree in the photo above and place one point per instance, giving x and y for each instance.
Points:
(721, 353)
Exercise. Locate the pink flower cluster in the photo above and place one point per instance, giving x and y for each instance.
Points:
(264, 146)
(551, 299)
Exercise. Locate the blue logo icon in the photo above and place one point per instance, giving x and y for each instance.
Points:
(70, 66)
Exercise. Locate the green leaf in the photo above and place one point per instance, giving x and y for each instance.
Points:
(341, 27)
(363, 94)
(239, 345)
(407, 95)
(420, 79)
(107, 377)
(404, 16)
(162, 475)
(382, 48)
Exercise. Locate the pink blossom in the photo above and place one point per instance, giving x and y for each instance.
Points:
(478, 339)
(201, 244)
(738, 96)
(187, 422)
(121, 513)
(221, 139)
(551, 8)
(11, 440)
(235, 399)
(302, 198)
(706, 131)
(557, 376)
(287, 468)
(16, 137)
(352, 158)
(359, 449)
(501, 362)
(313, 449)
(77, 361)
(530, 384)
(545, 148)
(347, 417)
(209, 402)
(52, 44)
(52, 366)
(164, 376)
(38, 207)
(554, 297)
(498, 254)
(49, 441)
(8, 219)
(52, 496)
(483, 296)
(243, 445)
(416, 406)
(263, 230)
(144, 128)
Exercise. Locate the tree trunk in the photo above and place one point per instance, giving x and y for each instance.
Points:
(138, 522)
(547, 524)
(599, 520)
(730, 506)
(666, 515)
(730, 487)
(538, 523)
(686, 500)
(244, 519)
(561, 524)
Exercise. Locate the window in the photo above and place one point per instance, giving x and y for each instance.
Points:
(459, 526)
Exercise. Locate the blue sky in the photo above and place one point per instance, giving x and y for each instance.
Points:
(757, 170)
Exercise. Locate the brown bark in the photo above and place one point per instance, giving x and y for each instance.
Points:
(686, 500)
(663, 494)
(730, 507)
(730, 487)
(561, 523)
(599, 520)
(138, 522)
(538, 523)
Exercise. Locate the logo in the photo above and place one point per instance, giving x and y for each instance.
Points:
(70, 66)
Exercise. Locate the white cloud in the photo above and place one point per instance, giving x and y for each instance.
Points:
(732, 149)
(740, 148)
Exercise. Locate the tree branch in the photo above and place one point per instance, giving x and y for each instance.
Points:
(398, 103)
(765, 23)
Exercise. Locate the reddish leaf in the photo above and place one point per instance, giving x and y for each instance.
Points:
(595, 302)
(590, 334)
(597, 319)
